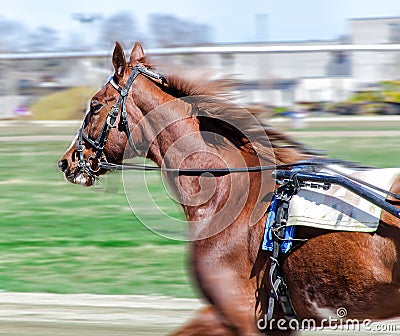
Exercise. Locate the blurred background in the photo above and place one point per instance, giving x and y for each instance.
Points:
(265, 46)
(326, 72)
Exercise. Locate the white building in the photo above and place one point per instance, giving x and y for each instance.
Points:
(285, 78)
(371, 67)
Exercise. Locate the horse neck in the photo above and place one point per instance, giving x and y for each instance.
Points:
(170, 134)
(176, 142)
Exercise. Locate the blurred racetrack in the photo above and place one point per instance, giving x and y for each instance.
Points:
(60, 238)
(39, 314)
(84, 314)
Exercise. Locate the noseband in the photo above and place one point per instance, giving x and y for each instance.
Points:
(98, 145)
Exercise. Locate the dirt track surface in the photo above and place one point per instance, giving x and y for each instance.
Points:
(35, 314)
(83, 314)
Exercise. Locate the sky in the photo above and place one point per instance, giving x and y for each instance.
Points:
(231, 20)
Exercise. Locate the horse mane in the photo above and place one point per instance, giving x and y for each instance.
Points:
(214, 107)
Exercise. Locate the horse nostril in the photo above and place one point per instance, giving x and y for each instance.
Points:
(63, 165)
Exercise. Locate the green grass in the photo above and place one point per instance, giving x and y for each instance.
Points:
(375, 151)
(59, 237)
(349, 128)
(62, 238)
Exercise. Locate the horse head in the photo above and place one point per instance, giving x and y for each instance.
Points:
(105, 134)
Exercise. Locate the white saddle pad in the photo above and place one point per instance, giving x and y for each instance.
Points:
(338, 208)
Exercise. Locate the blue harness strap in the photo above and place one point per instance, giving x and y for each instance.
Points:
(278, 239)
(268, 244)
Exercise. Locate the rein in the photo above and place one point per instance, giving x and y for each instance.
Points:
(225, 171)
(200, 171)
(300, 172)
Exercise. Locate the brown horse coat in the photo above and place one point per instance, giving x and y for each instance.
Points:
(181, 126)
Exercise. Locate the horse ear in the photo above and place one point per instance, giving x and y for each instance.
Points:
(118, 59)
(137, 53)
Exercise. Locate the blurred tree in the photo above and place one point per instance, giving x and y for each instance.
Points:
(13, 35)
(169, 30)
(43, 39)
(119, 27)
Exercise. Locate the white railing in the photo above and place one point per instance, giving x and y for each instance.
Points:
(251, 49)
(279, 74)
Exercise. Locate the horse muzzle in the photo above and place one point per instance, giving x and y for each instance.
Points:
(83, 174)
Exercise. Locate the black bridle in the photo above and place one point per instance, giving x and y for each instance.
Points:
(99, 143)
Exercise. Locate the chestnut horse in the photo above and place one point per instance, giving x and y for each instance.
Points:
(176, 123)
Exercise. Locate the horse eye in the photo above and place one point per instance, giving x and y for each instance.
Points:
(95, 106)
